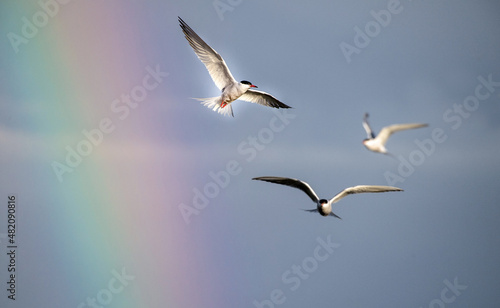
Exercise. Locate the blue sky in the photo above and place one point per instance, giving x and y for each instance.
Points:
(396, 249)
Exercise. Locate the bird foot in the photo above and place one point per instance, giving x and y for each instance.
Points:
(223, 104)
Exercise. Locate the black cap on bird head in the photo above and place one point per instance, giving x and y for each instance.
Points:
(248, 83)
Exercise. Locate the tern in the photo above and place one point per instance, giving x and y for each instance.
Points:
(377, 143)
(224, 80)
(323, 206)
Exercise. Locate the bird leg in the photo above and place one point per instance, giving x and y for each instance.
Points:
(223, 104)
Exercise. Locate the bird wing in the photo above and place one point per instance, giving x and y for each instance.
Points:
(292, 183)
(368, 129)
(387, 131)
(214, 63)
(360, 189)
(262, 98)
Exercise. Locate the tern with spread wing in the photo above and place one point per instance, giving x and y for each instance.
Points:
(323, 206)
(377, 143)
(224, 80)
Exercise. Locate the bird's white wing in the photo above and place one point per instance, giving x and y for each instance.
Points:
(214, 63)
(262, 98)
(360, 189)
(387, 131)
(292, 183)
(368, 129)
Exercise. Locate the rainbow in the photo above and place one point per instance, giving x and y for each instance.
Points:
(106, 205)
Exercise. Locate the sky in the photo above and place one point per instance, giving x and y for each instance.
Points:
(126, 192)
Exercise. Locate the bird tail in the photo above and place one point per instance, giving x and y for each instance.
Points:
(390, 155)
(214, 103)
(334, 215)
(331, 213)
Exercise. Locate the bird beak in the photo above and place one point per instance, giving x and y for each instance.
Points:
(252, 86)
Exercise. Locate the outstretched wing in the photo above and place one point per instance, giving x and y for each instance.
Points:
(262, 98)
(368, 129)
(360, 189)
(214, 63)
(292, 183)
(387, 131)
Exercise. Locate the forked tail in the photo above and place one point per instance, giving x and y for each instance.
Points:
(214, 103)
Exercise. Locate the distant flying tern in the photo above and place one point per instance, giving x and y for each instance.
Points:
(377, 143)
(323, 206)
(218, 70)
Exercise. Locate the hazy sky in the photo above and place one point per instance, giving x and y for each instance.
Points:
(248, 243)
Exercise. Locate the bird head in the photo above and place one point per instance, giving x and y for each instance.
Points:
(324, 207)
(323, 202)
(248, 83)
